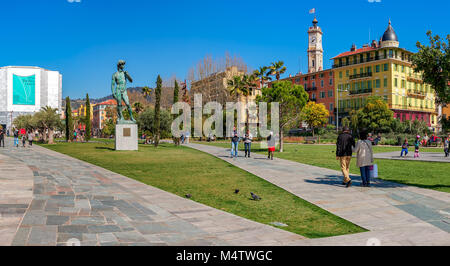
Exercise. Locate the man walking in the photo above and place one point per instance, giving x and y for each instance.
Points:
(344, 146)
(30, 138)
(2, 138)
(234, 145)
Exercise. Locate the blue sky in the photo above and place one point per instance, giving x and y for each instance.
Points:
(85, 40)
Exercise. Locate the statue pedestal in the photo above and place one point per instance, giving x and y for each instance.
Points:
(126, 137)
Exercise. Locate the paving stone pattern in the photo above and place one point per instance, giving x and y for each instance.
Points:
(395, 214)
(49, 199)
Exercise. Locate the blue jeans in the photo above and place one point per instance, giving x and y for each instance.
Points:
(247, 147)
(404, 151)
(234, 148)
(16, 141)
(365, 175)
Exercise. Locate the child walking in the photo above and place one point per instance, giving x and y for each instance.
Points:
(417, 146)
(404, 148)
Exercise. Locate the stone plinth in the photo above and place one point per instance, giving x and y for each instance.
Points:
(126, 137)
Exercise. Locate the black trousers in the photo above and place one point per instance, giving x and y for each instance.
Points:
(2, 142)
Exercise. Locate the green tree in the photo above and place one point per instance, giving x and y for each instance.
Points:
(316, 115)
(434, 63)
(146, 91)
(276, 69)
(157, 119)
(146, 123)
(291, 98)
(262, 75)
(176, 92)
(138, 107)
(88, 122)
(46, 121)
(25, 121)
(375, 115)
(69, 121)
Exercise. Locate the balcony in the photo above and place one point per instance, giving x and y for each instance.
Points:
(417, 94)
(355, 92)
(370, 59)
(361, 75)
(311, 89)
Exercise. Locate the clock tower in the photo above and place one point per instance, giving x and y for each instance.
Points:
(315, 50)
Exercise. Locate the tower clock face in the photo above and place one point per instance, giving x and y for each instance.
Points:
(313, 39)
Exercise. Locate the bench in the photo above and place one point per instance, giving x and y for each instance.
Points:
(311, 139)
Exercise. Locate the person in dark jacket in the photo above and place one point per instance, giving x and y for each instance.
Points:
(234, 145)
(2, 138)
(344, 146)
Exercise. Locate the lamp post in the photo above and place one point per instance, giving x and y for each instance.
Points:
(337, 107)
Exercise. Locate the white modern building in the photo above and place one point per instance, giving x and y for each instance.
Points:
(25, 90)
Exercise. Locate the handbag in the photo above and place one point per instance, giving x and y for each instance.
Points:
(373, 171)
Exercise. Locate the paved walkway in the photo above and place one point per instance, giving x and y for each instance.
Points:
(424, 156)
(47, 198)
(395, 214)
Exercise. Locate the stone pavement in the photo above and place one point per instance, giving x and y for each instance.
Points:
(395, 214)
(47, 198)
(424, 156)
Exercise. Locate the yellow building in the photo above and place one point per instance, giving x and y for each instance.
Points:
(82, 110)
(385, 70)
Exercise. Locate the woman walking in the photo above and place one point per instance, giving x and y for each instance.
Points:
(364, 157)
(446, 146)
(271, 145)
(30, 138)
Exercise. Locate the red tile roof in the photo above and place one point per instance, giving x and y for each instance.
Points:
(360, 50)
(108, 102)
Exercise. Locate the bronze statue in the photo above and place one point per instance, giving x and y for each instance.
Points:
(119, 92)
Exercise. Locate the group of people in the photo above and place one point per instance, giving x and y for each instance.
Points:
(24, 136)
(346, 146)
(423, 142)
(248, 139)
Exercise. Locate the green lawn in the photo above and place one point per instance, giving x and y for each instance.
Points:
(212, 181)
(431, 175)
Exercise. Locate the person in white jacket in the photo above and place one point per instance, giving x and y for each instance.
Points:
(364, 157)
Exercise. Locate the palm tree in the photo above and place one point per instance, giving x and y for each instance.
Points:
(276, 69)
(138, 107)
(147, 92)
(262, 75)
(239, 86)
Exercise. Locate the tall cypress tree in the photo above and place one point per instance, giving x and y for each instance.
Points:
(176, 91)
(157, 120)
(88, 118)
(69, 120)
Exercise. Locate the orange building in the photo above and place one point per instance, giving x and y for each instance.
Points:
(99, 113)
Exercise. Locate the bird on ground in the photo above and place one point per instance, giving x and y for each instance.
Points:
(188, 196)
(236, 191)
(254, 196)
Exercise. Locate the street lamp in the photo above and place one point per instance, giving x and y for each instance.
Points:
(337, 107)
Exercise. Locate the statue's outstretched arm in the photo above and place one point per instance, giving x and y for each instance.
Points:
(127, 76)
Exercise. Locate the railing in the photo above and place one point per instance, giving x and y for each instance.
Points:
(361, 75)
(416, 93)
(310, 88)
(365, 60)
(353, 92)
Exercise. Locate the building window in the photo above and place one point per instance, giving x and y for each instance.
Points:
(377, 83)
(403, 69)
(306, 86)
(403, 83)
(340, 74)
(330, 93)
(322, 94)
(313, 84)
(391, 53)
(385, 82)
(386, 67)
(395, 82)
(347, 72)
(321, 83)
(331, 81)
(331, 107)
(377, 68)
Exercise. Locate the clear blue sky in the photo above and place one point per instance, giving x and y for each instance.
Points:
(84, 40)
